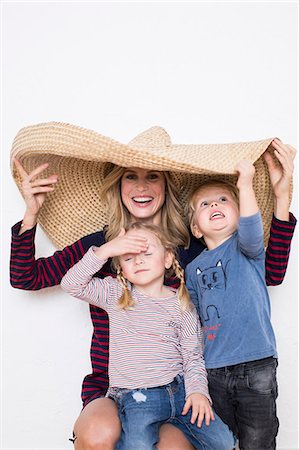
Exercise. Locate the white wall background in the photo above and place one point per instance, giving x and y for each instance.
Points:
(217, 72)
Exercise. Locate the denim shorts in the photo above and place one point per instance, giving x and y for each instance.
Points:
(143, 411)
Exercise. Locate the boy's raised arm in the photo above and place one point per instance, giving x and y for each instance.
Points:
(250, 231)
(247, 199)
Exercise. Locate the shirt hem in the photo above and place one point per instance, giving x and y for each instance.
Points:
(241, 360)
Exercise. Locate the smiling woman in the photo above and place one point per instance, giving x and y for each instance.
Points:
(129, 194)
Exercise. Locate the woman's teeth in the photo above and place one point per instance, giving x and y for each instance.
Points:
(142, 199)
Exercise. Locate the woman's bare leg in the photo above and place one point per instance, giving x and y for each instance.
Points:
(98, 426)
(173, 438)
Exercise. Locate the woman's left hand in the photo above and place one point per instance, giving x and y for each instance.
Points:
(281, 174)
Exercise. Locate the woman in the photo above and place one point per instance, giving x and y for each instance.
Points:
(131, 194)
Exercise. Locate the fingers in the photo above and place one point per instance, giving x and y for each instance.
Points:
(285, 161)
(292, 151)
(137, 245)
(136, 237)
(269, 160)
(30, 176)
(200, 415)
(187, 406)
(37, 171)
(44, 181)
(209, 416)
(245, 166)
(129, 245)
(39, 190)
(39, 186)
(284, 150)
(204, 412)
(285, 155)
(288, 150)
(20, 168)
(201, 409)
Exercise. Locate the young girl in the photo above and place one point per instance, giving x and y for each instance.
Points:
(156, 367)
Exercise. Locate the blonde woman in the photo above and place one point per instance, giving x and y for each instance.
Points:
(136, 194)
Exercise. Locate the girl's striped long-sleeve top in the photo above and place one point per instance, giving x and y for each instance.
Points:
(29, 273)
(151, 343)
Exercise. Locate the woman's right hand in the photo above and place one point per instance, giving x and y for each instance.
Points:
(34, 190)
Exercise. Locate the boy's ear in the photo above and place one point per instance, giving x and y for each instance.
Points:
(168, 259)
(196, 231)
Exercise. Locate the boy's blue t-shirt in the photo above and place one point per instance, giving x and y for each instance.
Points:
(227, 285)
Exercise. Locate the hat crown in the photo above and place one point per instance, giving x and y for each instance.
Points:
(151, 138)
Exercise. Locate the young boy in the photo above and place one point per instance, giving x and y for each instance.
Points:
(227, 284)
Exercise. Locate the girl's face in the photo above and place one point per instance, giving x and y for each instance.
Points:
(143, 194)
(146, 269)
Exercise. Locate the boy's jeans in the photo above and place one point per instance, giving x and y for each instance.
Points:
(143, 411)
(244, 396)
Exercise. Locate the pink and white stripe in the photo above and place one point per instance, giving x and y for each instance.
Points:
(149, 344)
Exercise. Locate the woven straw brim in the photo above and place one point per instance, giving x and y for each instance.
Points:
(77, 155)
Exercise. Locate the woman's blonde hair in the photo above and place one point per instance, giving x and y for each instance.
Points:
(126, 300)
(119, 217)
(191, 204)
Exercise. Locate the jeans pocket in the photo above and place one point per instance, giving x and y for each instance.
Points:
(262, 380)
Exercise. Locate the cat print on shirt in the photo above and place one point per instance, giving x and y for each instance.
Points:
(212, 277)
(208, 280)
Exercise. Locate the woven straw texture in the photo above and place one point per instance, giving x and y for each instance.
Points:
(76, 155)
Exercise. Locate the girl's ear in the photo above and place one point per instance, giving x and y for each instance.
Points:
(169, 257)
(196, 231)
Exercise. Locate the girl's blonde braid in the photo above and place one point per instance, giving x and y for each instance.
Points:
(183, 294)
(126, 300)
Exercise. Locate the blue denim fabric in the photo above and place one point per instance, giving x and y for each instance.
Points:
(143, 411)
(244, 396)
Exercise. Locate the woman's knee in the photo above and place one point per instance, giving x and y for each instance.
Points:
(95, 438)
(98, 426)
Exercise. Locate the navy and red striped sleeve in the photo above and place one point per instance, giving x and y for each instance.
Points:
(278, 250)
(29, 273)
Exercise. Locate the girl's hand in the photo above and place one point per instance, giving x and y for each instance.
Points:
(121, 245)
(246, 171)
(35, 189)
(281, 174)
(201, 409)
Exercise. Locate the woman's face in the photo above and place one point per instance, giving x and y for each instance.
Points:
(143, 194)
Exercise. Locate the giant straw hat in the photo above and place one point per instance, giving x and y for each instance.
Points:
(77, 155)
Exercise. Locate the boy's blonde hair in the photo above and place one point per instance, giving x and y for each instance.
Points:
(119, 217)
(191, 204)
(126, 300)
